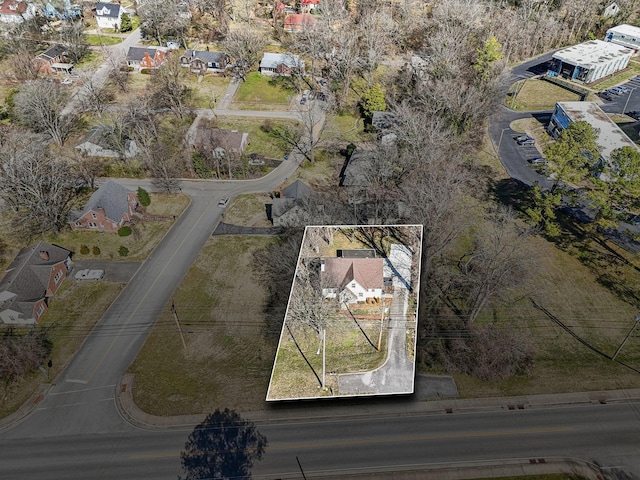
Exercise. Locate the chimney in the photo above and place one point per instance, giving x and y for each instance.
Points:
(44, 255)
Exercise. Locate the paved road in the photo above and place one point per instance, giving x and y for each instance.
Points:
(351, 438)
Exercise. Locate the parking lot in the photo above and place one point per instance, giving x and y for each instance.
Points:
(624, 102)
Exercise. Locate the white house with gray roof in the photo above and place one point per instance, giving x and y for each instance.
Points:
(109, 15)
(281, 64)
(108, 209)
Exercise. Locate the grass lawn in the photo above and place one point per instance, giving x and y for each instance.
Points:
(209, 90)
(91, 61)
(590, 291)
(72, 314)
(258, 92)
(347, 351)
(259, 141)
(321, 173)
(536, 94)
(248, 210)
(229, 357)
(97, 40)
(140, 244)
(345, 128)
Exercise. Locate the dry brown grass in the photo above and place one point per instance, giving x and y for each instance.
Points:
(220, 306)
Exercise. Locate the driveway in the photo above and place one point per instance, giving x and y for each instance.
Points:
(119, 272)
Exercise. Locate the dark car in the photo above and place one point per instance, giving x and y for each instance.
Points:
(634, 114)
(527, 141)
(606, 95)
(537, 161)
(521, 138)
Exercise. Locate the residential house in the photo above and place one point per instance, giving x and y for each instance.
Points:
(32, 278)
(307, 5)
(97, 143)
(16, 11)
(219, 141)
(610, 135)
(589, 61)
(627, 36)
(298, 22)
(351, 280)
(109, 208)
(53, 60)
(611, 10)
(200, 61)
(356, 171)
(289, 210)
(146, 57)
(109, 15)
(281, 64)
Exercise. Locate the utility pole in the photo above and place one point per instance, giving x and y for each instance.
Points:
(175, 316)
(635, 324)
(324, 356)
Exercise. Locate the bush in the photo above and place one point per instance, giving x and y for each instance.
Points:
(123, 251)
(96, 250)
(84, 250)
(124, 231)
(143, 197)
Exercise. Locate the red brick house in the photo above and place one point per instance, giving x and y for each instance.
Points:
(32, 278)
(108, 209)
(53, 60)
(146, 57)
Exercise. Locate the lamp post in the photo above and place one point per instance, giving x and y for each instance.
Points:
(500, 141)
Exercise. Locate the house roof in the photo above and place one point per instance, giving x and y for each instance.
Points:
(27, 278)
(272, 60)
(356, 172)
(298, 190)
(341, 271)
(299, 19)
(108, 10)
(112, 197)
(53, 52)
(12, 7)
(209, 57)
(96, 136)
(137, 53)
(212, 138)
(310, 2)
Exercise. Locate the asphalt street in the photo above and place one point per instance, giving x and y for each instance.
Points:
(371, 440)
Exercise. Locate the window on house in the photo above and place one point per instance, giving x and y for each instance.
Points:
(92, 225)
(353, 285)
(94, 215)
(58, 276)
(361, 294)
(40, 310)
(78, 224)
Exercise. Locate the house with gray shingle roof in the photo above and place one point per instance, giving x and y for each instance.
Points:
(201, 61)
(351, 280)
(109, 15)
(288, 211)
(99, 142)
(109, 208)
(32, 278)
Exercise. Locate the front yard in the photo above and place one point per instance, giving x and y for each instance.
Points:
(260, 92)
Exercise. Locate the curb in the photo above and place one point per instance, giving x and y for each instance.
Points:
(16, 417)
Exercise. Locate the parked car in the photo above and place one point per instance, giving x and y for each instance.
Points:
(605, 95)
(224, 202)
(66, 81)
(612, 91)
(537, 161)
(303, 100)
(527, 141)
(521, 138)
(619, 90)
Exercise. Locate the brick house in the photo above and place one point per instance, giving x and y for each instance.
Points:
(33, 277)
(146, 57)
(108, 209)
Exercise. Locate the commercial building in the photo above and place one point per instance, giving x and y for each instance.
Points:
(627, 36)
(589, 61)
(610, 135)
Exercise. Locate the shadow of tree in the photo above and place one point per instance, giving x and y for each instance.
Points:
(224, 445)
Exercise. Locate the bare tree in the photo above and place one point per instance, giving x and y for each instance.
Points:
(164, 18)
(494, 265)
(87, 168)
(95, 96)
(118, 70)
(74, 40)
(22, 66)
(39, 106)
(244, 47)
(21, 354)
(168, 89)
(38, 187)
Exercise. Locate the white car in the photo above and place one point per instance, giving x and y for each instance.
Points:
(224, 202)
(66, 81)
